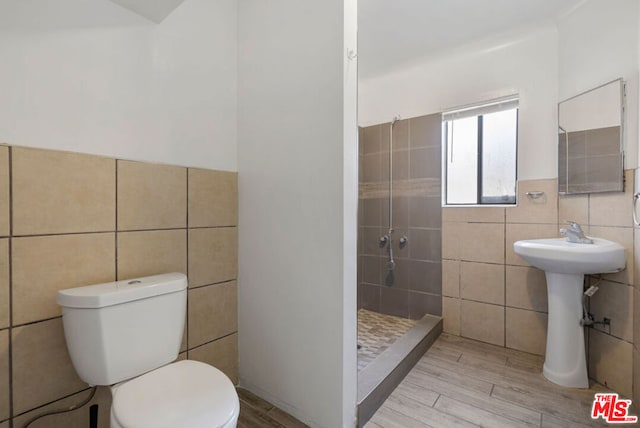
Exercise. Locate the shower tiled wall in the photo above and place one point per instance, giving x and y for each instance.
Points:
(416, 212)
(493, 295)
(70, 219)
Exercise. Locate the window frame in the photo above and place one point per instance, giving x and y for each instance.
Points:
(483, 108)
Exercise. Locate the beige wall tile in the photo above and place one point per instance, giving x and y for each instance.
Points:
(526, 331)
(451, 315)
(151, 253)
(42, 265)
(151, 196)
(636, 381)
(213, 312)
(59, 192)
(517, 232)
(42, 369)
(451, 278)
(76, 419)
(213, 198)
(222, 354)
(636, 316)
(614, 301)
(624, 237)
(610, 362)
(526, 288)
(4, 283)
(473, 214)
(482, 321)
(482, 242)
(4, 375)
(636, 255)
(482, 282)
(541, 210)
(613, 208)
(213, 255)
(574, 208)
(451, 237)
(4, 191)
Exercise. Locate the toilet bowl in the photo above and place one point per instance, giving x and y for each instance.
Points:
(182, 394)
(127, 335)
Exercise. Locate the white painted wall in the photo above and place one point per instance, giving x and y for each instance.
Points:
(298, 189)
(598, 42)
(525, 64)
(122, 86)
(591, 45)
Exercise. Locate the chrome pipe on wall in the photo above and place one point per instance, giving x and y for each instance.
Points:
(387, 240)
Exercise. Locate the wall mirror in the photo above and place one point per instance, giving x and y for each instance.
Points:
(590, 132)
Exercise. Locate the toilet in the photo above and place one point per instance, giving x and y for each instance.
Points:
(127, 335)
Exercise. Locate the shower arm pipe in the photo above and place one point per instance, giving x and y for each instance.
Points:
(390, 177)
(393, 123)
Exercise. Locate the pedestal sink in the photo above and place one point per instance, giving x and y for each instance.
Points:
(565, 264)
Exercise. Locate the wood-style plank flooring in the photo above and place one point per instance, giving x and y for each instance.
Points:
(464, 383)
(258, 413)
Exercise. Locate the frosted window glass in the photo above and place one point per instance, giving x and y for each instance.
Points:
(499, 157)
(462, 160)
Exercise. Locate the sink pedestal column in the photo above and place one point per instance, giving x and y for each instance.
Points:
(565, 361)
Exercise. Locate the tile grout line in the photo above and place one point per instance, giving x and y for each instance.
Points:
(116, 222)
(504, 271)
(214, 340)
(186, 321)
(91, 232)
(10, 338)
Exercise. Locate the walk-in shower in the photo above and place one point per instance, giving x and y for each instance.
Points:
(399, 250)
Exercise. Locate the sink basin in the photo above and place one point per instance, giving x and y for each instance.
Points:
(565, 264)
(561, 256)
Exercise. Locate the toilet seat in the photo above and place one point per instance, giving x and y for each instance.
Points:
(186, 394)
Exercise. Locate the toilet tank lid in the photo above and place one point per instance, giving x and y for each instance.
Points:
(128, 290)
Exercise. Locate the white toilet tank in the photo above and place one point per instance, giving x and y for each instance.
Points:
(119, 330)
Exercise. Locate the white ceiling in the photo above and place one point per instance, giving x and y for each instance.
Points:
(154, 10)
(396, 33)
(47, 15)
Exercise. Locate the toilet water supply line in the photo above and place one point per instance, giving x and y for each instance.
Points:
(93, 414)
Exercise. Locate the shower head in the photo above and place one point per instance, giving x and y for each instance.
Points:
(395, 119)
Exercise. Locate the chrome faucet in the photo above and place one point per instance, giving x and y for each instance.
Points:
(575, 234)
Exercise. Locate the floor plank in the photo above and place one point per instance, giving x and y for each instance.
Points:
(253, 400)
(425, 414)
(258, 413)
(285, 419)
(389, 418)
(253, 418)
(478, 416)
(474, 398)
(484, 385)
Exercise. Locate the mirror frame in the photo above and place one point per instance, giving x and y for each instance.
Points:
(620, 186)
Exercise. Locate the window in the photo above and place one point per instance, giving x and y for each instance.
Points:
(481, 154)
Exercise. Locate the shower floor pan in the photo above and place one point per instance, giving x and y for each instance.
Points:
(390, 347)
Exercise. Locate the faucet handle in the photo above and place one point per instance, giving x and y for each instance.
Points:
(574, 225)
